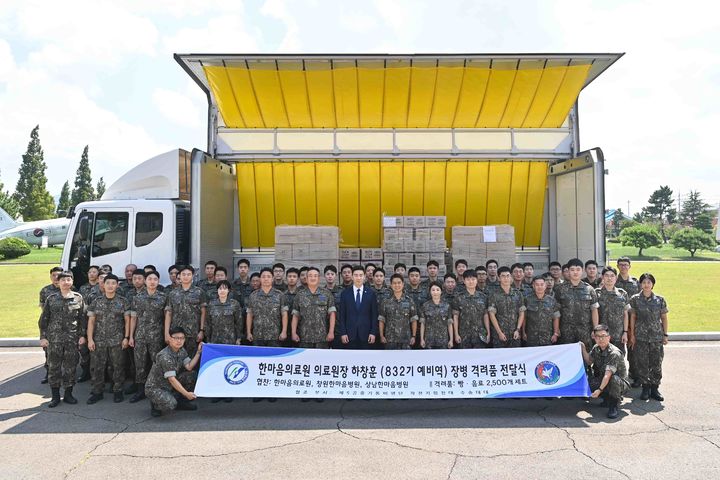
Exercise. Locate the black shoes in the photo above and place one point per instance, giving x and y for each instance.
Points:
(118, 397)
(655, 393)
(55, 400)
(132, 388)
(84, 375)
(613, 410)
(140, 395)
(94, 398)
(44, 380)
(636, 383)
(68, 398)
(185, 404)
(645, 392)
(154, 412)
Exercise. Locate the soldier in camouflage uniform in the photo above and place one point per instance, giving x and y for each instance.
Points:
(578, 306)
(330, 273)
(542, 316)
(45, 292)
(631, 287)
(471, 323)
(92, 274)
(136, 286)
(433, 268)
(241, 285)
(127, 281)
(493, 282)
(292, 276)
(278, 271)
(378, 286)
(93, 285)
(265, 325)
(313, 314)
(518, 276)
(449, 286)
(186, 308)
(172, 377)
(108, 336)
(482, 278)
(209, 280)
(436, 323)
(461, 266)
(614, 307)
(649, 322)
(507, 311)
(130, 292)
(555, 269)
(147, 320)
(397, 317)
(61, 332)
(173, 271)
(591, 274)
(414, 288)
(224, 317)
(608, 378)
(212, 289)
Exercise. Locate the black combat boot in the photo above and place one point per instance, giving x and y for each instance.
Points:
(140, 393)
(45, 379)
(655, 393)
(68, 398)
(185, 404)
(118, 397)
(645, 392)
(613, 410)
(154, 411)
(132, 388)
(636, 383)
(55, 400)
(84, 375)
(94, 398)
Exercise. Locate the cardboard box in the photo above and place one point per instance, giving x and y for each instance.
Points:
(390, 258)
(436, 245)
(393, 247)
(317, 250)
(422, 258)
(371, 254)
(392, 222)
(442, 270)
(436, 233)
(406, 258)
(350, 254)
(422, 234)
(437, 256)
(283, 251)
(405, 234)
(414, 221)
(307, 234)
(469, 249)
(416, 245)
(391, 234)
(301, 251)
(422, 268)
(436, 221)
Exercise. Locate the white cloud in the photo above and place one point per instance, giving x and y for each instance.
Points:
(7, 61)
(229, 33)
(179, 108)
(279, 9)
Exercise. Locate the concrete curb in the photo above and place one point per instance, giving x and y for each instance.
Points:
(674, 336)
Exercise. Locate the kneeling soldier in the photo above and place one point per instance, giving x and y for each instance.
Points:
(609, 378)
(172, 377)
(61, 332)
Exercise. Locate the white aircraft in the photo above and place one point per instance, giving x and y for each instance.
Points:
(54, 229)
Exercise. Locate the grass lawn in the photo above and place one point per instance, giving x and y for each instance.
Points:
(50, 255)
(665, 252)
(691, 291)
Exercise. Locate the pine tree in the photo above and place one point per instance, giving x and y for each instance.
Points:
(692, 208)
(100, 189)
(7, 202)
(64, 200)
(34, 201)
(83, 190)
(660, 208)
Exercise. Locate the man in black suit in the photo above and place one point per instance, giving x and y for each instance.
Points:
(358, 309)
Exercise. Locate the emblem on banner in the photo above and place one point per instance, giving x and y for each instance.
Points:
(236, 372)
(547, 373)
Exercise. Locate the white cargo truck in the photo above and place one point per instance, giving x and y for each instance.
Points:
(345, 139)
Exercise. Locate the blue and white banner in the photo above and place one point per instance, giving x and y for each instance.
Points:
(238, 371)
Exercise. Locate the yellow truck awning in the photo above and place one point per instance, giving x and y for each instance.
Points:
(394, 91)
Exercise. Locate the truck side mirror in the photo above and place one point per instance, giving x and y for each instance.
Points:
(83, 229)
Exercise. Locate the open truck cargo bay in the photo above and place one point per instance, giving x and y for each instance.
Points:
(344, 139)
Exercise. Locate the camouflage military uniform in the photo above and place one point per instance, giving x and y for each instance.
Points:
(631, 287)
(205, 284)
(336, 292)
(313, 310)
(242, 290)
(397, 315)
(62, 324)
(168, 364)
(597, 283)
(86, 289)
(524, 288)
(613, 304)
(266, 309)
(539, 316)
(448, 297)
(149, 312)
(186, 309)
(425, 284)
(225, 320)
(45, 292)
(507, 308)
(381, 293)
(436, 319)
(108, 335)
(419, 295)
(94, 293)
(576, 305)
(492, 286)
(609, 359)
(282, 286)
(649, 350)
(471, 310)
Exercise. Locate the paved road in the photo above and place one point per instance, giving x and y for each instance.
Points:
(422, 439)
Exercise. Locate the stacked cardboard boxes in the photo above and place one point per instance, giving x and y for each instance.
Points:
(361, 255)
(414, 240)
(477, 244)
(297, 246)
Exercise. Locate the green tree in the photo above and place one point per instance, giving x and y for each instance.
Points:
(31, 195)
(704, 222)
(64, 201)
(100, 189)
(692, 240)
(660, 208)
(693, 207)
(83, 190)
(7, 202)
(13, 247)
(641, 236)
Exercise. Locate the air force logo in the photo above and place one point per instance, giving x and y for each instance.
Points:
(236, 372)
(547, 373)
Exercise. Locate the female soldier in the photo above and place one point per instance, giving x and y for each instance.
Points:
(225, 319)
(436, 322)
(649, 326)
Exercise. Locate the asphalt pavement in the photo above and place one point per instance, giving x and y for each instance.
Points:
(389, 439)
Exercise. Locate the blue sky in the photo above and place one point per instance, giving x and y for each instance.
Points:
(102, 73)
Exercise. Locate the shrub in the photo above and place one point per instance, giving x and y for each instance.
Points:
(641, 236)
(13, 247)
(692, 240)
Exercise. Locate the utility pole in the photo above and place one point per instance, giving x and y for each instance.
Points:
(628, 209)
